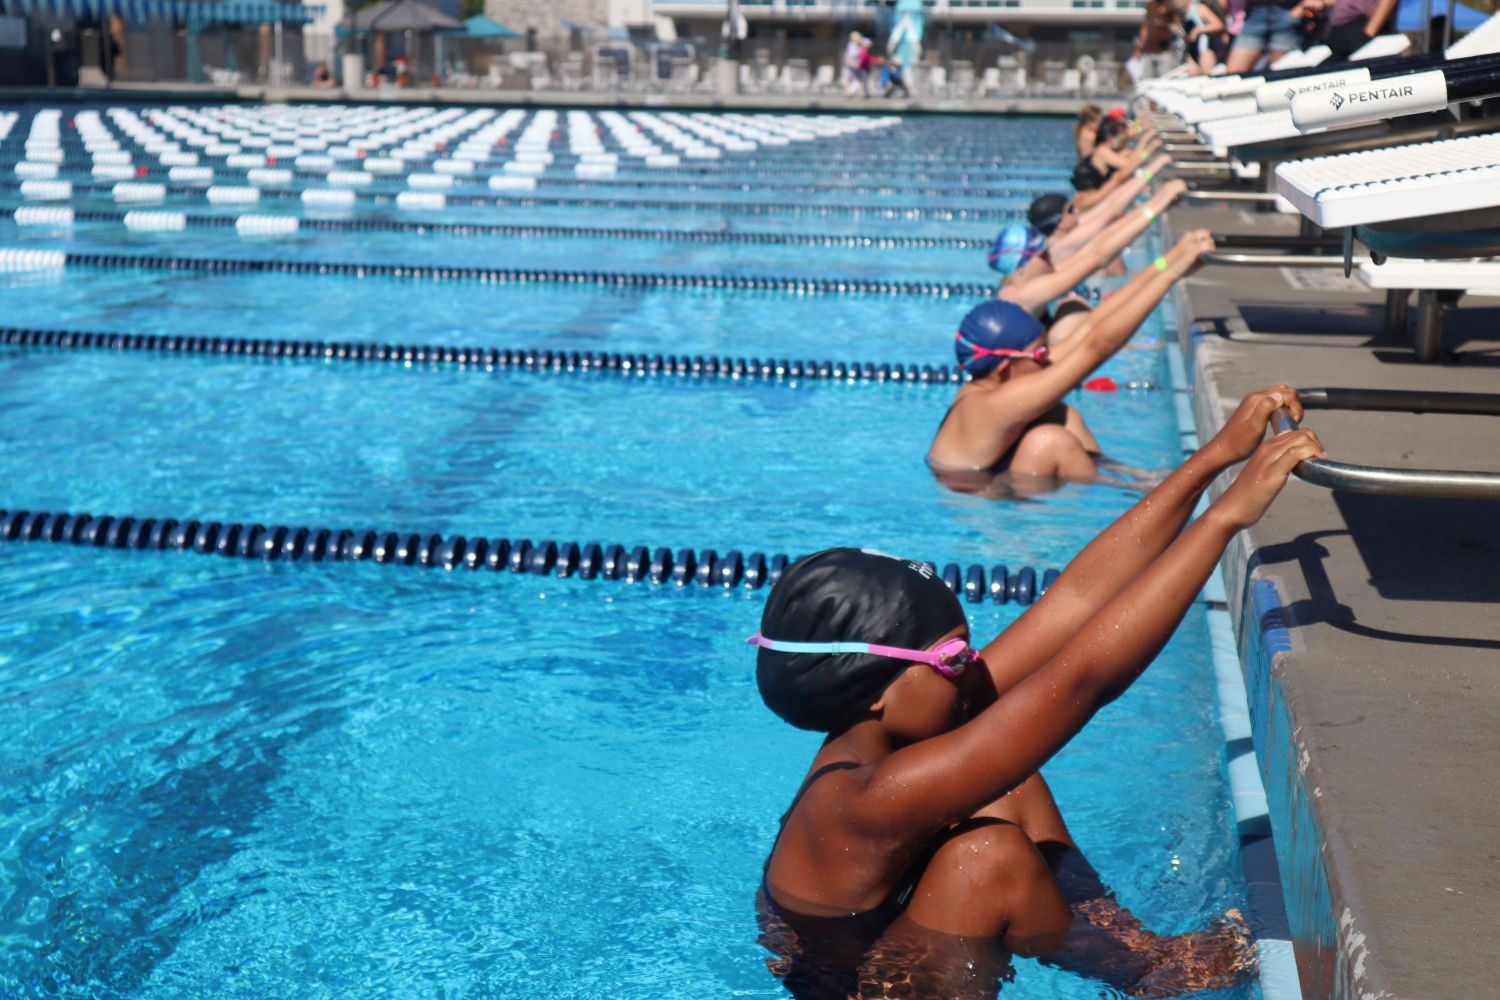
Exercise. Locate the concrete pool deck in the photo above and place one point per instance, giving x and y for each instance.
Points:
(1368, 631)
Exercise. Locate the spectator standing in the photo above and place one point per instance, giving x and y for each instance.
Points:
(853, 52)
(1355, 22)
(1273, 26)
(893, 78)
(1155, 50)
(1207, 35)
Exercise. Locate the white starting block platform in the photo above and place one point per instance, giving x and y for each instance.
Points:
(1402, 182)
(1477, 277)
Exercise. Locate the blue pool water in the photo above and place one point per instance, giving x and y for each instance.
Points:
(228, 778)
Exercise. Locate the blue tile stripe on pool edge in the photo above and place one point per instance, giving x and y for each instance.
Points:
(1277, 965)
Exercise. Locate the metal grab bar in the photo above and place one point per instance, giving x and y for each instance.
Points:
(1401, 401)
(1278, 259)
(1257, 197)
(1256, 241)
(1391, 482)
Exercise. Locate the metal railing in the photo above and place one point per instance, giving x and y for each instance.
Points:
(1442, 483)
(1278, 259)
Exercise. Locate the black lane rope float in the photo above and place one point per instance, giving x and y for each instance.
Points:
(516, 275)
(535, 201)
(579, 232)
(589, 561)
(488, 359)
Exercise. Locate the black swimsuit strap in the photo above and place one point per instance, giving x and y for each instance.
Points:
(838, 765)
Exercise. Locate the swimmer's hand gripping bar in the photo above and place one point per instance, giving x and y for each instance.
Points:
(1390, 482)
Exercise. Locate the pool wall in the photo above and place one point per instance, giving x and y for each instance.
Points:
(1325, 967)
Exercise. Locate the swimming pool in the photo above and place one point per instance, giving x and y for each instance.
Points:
(240, 778)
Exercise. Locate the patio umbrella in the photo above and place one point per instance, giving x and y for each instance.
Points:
(1410, 15)
(480, 26)
(408, 16)
(405, 15)
(905, 42)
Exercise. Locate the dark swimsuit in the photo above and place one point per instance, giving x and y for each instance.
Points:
(819, 958)
(967, 479)
(1087, 177)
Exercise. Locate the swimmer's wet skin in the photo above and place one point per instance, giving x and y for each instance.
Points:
(1075, 249)
(923, 847)
(1010, 418)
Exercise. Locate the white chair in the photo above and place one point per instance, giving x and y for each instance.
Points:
(937, 81)
(1106, 77)
(796, 78)
(989, 83)
(824, 79)
(962, 83)
(570, 74)
(1012, 74)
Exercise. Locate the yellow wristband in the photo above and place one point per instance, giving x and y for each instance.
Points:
(1150, 213)
(1147, 175)
(1144, 154)
(1161, 263)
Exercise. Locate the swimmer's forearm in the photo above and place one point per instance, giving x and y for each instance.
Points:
(1123, 550)
(1119, 641)
(1113, 327)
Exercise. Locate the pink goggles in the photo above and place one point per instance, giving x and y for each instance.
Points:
(950, 658)
(1037, 354)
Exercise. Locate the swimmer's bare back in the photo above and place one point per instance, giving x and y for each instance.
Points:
(969, 447)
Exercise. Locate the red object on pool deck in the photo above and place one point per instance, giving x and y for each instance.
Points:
(1101, 384)
(140, 171)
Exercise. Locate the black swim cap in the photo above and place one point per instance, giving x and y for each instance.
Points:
(1047, 211)
(848, 595)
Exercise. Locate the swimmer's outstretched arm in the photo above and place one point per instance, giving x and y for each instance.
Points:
(1025, 400)
(926, 786)
(1119, 316)
(1094, 221)
(1085, 200)
(1097, 253)
(1126, 548)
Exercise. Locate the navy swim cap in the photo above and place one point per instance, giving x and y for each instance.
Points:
(1016, 244)
(990, 325)
(1047, 211)
(848, 595)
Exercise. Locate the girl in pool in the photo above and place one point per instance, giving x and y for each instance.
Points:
(923, 847)
(1008, 431)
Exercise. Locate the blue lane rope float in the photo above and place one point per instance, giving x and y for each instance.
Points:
(487, 359)
(559, 179)
(589, 561)
(579, 232)
(518, 275)
(526, 200)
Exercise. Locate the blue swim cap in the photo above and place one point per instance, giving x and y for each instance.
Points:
(1016, 244)
(989, 326)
